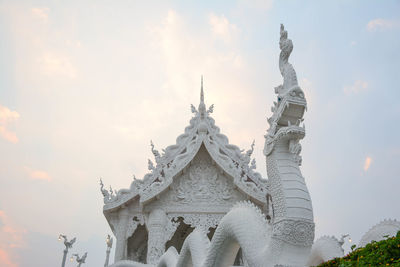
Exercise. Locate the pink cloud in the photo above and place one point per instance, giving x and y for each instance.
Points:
(367, 163)
(6, 117)
(38, 174)
(382, 24)
(5, 259)
(11, 237)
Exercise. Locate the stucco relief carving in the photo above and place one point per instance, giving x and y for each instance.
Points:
(154, 251)
(275, 187)
(295, 149)
(203, 184)
(118, 226)
(294, 232)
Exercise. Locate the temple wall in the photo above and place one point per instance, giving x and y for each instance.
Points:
(199, 197)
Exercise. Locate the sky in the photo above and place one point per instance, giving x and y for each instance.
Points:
(85, 86)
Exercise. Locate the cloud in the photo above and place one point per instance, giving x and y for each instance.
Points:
(11, 237)
(222, 28)
(41, 43)
(57, 64)
(38, 174)
(382, 24)
(357, 87)
(6, 117)
(5, 259)
(187, 54)
(367, 163)
(41, 13)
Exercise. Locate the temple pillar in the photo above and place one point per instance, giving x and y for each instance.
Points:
(156, 242)
(120, 248)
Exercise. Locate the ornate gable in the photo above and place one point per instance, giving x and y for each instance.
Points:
(202, 187)
(202, 132)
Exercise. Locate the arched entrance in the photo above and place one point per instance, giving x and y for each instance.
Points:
(137, 245)
(179, 236)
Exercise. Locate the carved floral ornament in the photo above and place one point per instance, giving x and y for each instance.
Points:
(202, 184)
(294, 232)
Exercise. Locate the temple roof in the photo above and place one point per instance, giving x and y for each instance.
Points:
(172, 161)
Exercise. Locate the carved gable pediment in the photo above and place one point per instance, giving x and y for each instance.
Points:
(201, 185)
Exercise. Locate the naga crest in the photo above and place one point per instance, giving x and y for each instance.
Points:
(285, 44)
(290, 84)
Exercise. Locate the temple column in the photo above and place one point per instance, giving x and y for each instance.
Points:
(156, 243)
(120, 248)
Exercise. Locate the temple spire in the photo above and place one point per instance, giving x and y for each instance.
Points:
(202, 105)
(202, 92)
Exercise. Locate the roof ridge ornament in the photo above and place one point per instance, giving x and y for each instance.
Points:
(202, 105)
(155, 152)
(202, 112)
(251, 150)
(202, 91)
(106, 194)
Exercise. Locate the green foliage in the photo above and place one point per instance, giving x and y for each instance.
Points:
(382, 253)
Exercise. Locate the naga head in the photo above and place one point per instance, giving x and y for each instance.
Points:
(288, 111)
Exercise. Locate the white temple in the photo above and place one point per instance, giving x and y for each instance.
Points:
(204, 204)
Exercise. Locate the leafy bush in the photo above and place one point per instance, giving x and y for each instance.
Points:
(382, 253)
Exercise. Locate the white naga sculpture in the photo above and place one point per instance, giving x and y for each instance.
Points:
(325, 248)
(203, 203)
(329, 247)
(380, 231)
